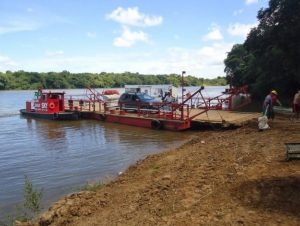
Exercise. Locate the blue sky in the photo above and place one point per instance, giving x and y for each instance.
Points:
(149, 36)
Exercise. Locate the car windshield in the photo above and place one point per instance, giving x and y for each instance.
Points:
(144, 96)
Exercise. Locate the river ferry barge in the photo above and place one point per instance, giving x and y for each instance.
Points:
(190, 110)
(48, 105)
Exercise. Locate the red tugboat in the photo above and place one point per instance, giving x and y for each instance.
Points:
(48, 105)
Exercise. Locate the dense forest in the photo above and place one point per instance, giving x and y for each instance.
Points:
(270, 56)
(66, 80)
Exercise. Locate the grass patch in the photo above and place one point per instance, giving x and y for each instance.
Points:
(94, 186)
(155, 167)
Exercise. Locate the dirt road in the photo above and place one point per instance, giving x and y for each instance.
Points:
(232, 177)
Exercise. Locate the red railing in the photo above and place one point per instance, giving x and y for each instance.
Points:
(173, 111)
(231, 99)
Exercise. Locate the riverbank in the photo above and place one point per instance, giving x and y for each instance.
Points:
(232, 177)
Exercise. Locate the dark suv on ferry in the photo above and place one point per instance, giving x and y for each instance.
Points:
(134, 101)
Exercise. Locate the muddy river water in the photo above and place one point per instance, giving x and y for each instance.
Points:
(59, 157)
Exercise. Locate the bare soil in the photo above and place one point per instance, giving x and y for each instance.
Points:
(231, 177)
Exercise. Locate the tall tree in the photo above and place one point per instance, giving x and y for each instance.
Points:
(269, 58)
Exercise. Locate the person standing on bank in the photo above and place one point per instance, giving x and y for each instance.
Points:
(296, 105)
(269, 102)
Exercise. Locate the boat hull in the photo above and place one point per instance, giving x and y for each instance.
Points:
(51, 116)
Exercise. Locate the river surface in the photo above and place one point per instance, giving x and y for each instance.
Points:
(61, 156)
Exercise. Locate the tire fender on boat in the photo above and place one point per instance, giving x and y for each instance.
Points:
(156, 124)
(102, 117)
(51, 105)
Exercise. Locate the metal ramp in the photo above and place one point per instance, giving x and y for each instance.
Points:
(213, 110)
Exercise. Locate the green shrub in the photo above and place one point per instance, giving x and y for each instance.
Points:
(30, 207)
(92, 186)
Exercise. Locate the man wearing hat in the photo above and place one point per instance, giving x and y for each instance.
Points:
(268, 106)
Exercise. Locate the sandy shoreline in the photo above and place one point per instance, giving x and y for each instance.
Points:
(232, 177)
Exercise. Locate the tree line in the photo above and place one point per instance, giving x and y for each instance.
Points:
(270, 56)
(22, 80)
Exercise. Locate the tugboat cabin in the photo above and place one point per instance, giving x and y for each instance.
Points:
(48, 105)
(49, 102)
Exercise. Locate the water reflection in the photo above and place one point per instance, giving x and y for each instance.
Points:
(49, 130)
(60, 155)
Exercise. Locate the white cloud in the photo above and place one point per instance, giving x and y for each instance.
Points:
(91, 35)
(238, 29)
(214, 34)
(7, 63)
(18, 26)
(129, 38)
(132, 17)
(238, 12)
(249, 2)
(54, 53)
(203, 62)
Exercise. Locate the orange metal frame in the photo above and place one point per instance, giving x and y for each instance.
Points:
(174, 116)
